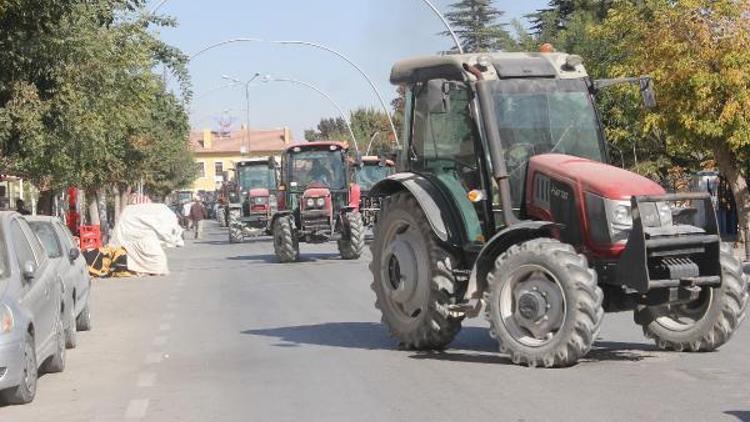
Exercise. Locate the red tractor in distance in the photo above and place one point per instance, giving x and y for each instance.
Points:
(505, 206)
(251, 198)
(370, 171)
(317, 203)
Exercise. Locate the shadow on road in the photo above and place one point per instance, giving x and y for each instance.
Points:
(226, 242)
(472, 345)
(742, 415)
(272, 259)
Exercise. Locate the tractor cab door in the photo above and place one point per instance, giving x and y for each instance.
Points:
(444, 147)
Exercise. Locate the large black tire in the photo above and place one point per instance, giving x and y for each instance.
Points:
(235, 233)
(413, 277)
(707, 323)
(285, 243)
(71, 333)
(221, 217)
(56, 362)
(25, 392)
(566, 303)
(83, 322)
(353, 243)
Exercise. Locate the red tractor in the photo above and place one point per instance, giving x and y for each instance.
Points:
(371, 170)
(505, 205)
(317, 203)
(251, 198)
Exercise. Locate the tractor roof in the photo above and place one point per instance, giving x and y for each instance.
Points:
(251, 161)
(316, 145)
(500, 65)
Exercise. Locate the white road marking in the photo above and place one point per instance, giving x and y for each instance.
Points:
(168, 316)
(165, 327)
(152, 358)
(171, 305)
(146, 379)
(173, 298)
(160, 340)
(136, 409)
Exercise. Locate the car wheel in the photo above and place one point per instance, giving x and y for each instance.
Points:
(83, 322)
(24, 392)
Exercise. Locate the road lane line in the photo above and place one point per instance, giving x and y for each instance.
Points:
(168, 316)
(171, 305)
(165, 327)
(146, 379)
(160, 340)
(136, 409)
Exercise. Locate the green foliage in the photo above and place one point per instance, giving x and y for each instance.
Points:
(80, 103)
(370, 126)
(476, 25)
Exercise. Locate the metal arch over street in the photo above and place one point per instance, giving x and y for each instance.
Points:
(359, 69)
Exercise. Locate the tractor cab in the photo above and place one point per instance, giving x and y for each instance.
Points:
(252, 198)
(504, 203)
(371, 170)
(318, 201)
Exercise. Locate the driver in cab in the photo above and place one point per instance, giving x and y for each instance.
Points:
(320, 173)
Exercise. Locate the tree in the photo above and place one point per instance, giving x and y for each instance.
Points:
(697, 53)
(475, 24)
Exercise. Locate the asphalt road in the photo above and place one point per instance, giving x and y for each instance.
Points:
(233, 336)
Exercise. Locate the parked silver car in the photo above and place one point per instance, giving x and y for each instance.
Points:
(32, 337)
(71, 266)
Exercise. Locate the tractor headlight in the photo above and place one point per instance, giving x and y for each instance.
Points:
(260, 200)
(320, 202)
(310, 203)
(609, 221)
(6, 319)
(656, 214)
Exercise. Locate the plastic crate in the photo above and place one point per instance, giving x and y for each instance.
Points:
(90, 237)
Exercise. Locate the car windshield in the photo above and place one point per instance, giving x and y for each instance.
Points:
(369, 174)
(256, 176)
(539, 116)
(46, 234)
(324, 167)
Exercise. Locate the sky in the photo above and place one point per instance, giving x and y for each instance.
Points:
(372, 33)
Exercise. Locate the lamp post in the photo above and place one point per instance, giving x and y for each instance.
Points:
(328, 97)
(247, 103)
(337, 53)
(437, 12)
(374, 135)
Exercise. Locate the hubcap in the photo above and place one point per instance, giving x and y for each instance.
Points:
(532, 305)
(684, 317)
(403, 270)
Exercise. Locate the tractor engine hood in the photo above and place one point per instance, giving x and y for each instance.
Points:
(259, 192)
(316, 192)
(601, 179)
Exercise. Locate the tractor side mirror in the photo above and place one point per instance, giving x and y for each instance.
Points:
(358, 160)
(438, 101)
(271, 163)
(73, 254)
(647, 91)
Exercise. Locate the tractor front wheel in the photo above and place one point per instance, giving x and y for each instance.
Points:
(413, 277)
(706, 323)
(235, 228)
(353, 241)
(543, 303)
(285, 243)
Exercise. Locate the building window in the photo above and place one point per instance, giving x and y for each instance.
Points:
(219, 167)
(201, 169)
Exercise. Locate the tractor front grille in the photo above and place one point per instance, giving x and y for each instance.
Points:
(316, 220)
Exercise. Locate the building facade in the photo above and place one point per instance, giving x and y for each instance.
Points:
(215, 153)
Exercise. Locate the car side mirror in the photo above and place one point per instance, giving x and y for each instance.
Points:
(74, 254)
(29, 271)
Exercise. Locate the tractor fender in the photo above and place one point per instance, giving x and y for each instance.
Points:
(499, 243)
(426, 193)
(278, 215)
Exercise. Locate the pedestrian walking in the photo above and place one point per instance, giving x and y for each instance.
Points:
(197, 215)
(21, 207)
(186, 214)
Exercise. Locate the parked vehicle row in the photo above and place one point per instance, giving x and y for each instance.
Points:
(44, 301)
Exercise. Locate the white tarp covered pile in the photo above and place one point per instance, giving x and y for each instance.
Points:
(143, 230)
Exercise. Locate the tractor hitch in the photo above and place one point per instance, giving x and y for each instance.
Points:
(664, 251)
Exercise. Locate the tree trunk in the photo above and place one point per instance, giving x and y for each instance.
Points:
(93, 204)
(101, 199)
(125, 191)
(728, 167)
(118, 209)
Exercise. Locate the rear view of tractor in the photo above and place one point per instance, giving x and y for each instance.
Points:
(317, 202)
(504, 207)
(370, 171)
(252, 198)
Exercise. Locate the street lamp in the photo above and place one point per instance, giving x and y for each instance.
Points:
(247, 103)
(328, 97)
(320, 47)
(447, 25)
(374, 135)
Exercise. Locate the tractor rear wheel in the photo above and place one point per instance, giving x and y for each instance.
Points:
(543, 303)
(352, 244)
(706, 323)
(285, 243)
(413, 279)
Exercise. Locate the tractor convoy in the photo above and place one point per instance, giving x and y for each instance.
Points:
(503, 205)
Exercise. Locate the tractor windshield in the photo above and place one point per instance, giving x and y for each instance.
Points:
(322, 167)
(539, 116)
(369, 174)
(256, 176)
